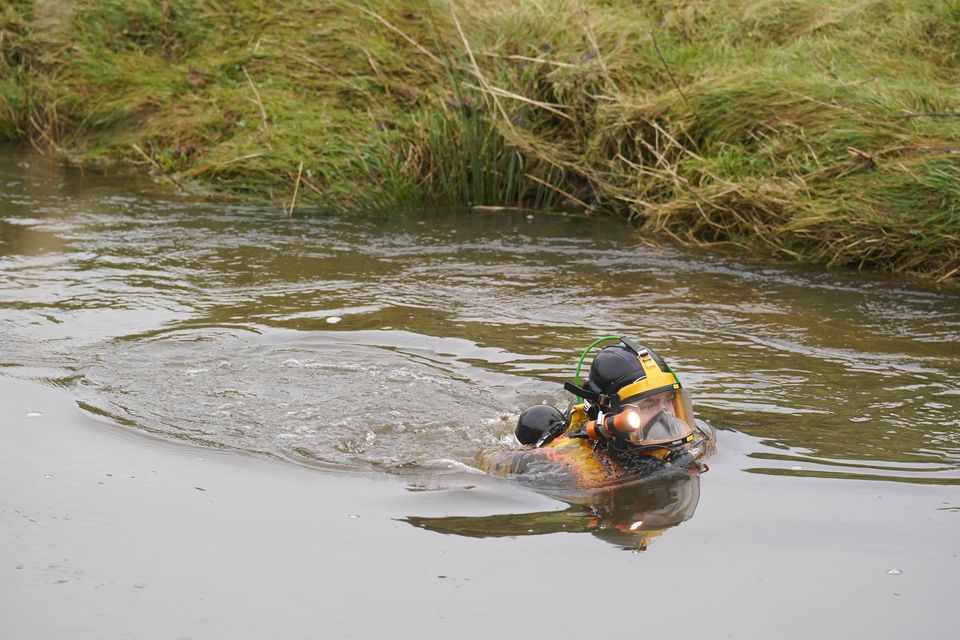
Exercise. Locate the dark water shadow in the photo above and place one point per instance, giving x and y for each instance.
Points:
(628, 516)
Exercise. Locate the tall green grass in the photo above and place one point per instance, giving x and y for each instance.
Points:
(819, 131)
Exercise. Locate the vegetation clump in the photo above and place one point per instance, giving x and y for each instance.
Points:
(826, 132)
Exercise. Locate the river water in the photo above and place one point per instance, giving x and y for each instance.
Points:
(399, 345)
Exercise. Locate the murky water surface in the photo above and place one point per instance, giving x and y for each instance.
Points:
(413, 340)
(398, 346)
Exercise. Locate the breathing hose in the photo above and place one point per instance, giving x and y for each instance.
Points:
(587, 350)
(607, 339)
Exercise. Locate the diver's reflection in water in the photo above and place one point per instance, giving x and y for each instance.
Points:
(628, 516)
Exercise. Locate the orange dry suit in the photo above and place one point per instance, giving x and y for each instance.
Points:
(581, 463)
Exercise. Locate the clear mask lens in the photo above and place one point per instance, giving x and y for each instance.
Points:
(662, 428)
(648, 407)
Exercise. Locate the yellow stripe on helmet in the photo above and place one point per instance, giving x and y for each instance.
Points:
(654, 378)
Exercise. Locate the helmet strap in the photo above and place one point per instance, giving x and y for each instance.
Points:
(609, 403)
(633, 346)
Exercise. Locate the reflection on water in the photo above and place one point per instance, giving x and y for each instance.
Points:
(629, 516)
(213, 323)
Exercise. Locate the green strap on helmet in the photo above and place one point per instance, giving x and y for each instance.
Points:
(607, 339)
(587, 350)
(673, 373)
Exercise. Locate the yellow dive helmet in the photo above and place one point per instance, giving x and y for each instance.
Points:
(633, 396)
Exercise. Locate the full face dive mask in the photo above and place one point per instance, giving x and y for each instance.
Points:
(636, 398)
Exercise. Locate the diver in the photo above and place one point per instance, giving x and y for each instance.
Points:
(635, 420)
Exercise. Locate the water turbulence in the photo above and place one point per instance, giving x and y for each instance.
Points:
(385, 399)
(409, 342)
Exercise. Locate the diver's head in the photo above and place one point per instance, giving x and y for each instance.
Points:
(633, 397)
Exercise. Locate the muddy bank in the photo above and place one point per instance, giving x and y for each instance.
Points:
(109, 533)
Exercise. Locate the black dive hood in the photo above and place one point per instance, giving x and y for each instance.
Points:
(613, 368)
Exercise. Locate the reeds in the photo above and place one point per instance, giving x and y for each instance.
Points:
(802, 128)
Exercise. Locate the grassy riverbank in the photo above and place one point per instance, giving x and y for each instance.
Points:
(793, 127)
